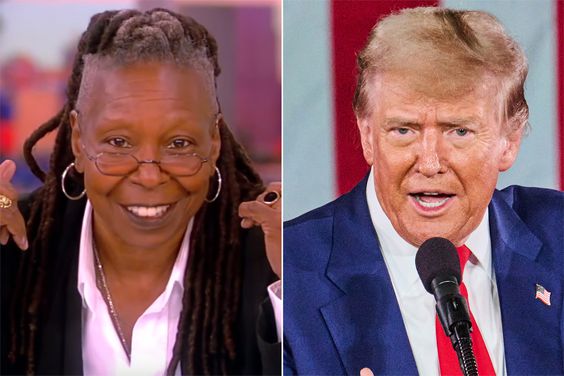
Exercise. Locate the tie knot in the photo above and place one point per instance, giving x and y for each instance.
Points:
(464, 255)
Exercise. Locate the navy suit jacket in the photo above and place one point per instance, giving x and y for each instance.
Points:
(341, 313)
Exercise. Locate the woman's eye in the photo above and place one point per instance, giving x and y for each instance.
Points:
(119, 142)
(179, 144)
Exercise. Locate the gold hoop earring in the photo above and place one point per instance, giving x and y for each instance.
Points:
(63, 177)
(219, 180)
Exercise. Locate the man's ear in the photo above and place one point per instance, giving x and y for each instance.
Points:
(510, 149)
(215, 142)
(366, 138)
(76, 142)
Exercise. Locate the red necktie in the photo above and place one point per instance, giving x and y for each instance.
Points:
(448, 359)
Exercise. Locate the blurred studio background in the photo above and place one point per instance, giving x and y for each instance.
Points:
(37, 45)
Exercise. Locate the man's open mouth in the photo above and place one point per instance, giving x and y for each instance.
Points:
(431, 200)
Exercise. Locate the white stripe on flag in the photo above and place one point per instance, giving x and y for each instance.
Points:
(308, 108)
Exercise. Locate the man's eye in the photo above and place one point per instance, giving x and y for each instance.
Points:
(461, 131)
(402, 130)
(179, 143)
(119, 142)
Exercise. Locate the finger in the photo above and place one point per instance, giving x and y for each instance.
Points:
(272, 187)
(7, 170)
(256, 211)
(8, 190)
(14, 223)
(248, 223)
(366, 372)
(4, 235)
(271, 198)
(12, 220)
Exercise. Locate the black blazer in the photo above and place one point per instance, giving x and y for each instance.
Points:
(59, 340)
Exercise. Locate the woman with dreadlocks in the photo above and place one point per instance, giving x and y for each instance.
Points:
(137, 261)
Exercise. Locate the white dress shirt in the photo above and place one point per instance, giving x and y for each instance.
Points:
(417, 306)
(275, 294)
(154, 332)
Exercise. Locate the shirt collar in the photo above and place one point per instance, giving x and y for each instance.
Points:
(399, 255)
(479, 243)
(87, 278)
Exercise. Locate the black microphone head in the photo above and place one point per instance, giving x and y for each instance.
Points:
(437, 257)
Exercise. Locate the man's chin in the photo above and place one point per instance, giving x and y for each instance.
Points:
(417, 235)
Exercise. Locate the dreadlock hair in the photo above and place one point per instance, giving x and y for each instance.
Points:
(205, 340)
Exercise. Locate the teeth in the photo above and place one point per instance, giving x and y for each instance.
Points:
(148, 211)
(435, 204)
(431, 193)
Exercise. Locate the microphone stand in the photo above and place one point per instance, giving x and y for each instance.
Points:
(452, 310)
(462, 344)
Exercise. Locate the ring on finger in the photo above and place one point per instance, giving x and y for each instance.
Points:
(5, 202)
(270, 198)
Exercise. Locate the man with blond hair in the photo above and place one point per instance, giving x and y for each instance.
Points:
(441, 111)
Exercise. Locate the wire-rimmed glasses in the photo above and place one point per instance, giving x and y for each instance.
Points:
(173, 162)
(122, 164)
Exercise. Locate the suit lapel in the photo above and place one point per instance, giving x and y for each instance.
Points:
(365, 322)
(530, 328)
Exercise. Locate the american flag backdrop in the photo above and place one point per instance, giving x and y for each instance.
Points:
(322, 156)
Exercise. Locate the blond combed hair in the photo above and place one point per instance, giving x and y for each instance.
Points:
(444, 53)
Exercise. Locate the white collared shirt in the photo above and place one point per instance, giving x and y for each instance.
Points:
(154, 333)
(417, 306)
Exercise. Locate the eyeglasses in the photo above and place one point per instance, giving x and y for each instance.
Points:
(122, 164)
(174, 163)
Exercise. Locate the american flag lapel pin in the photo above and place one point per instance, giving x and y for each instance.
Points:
(542, 294)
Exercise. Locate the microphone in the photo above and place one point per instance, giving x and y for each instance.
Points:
(439, 269)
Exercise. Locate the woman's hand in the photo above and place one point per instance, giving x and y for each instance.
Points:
(11, 220)
(266, 212)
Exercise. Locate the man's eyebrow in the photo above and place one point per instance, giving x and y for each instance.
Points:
(444, 123)
(398, 121)
(459, 122)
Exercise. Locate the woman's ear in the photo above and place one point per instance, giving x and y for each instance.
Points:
(216, 141)
(76, 141)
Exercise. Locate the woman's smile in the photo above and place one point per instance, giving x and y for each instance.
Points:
(148, 211)
(149, 217)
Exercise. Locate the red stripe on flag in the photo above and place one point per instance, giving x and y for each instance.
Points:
(560, 94)
(351, 23)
